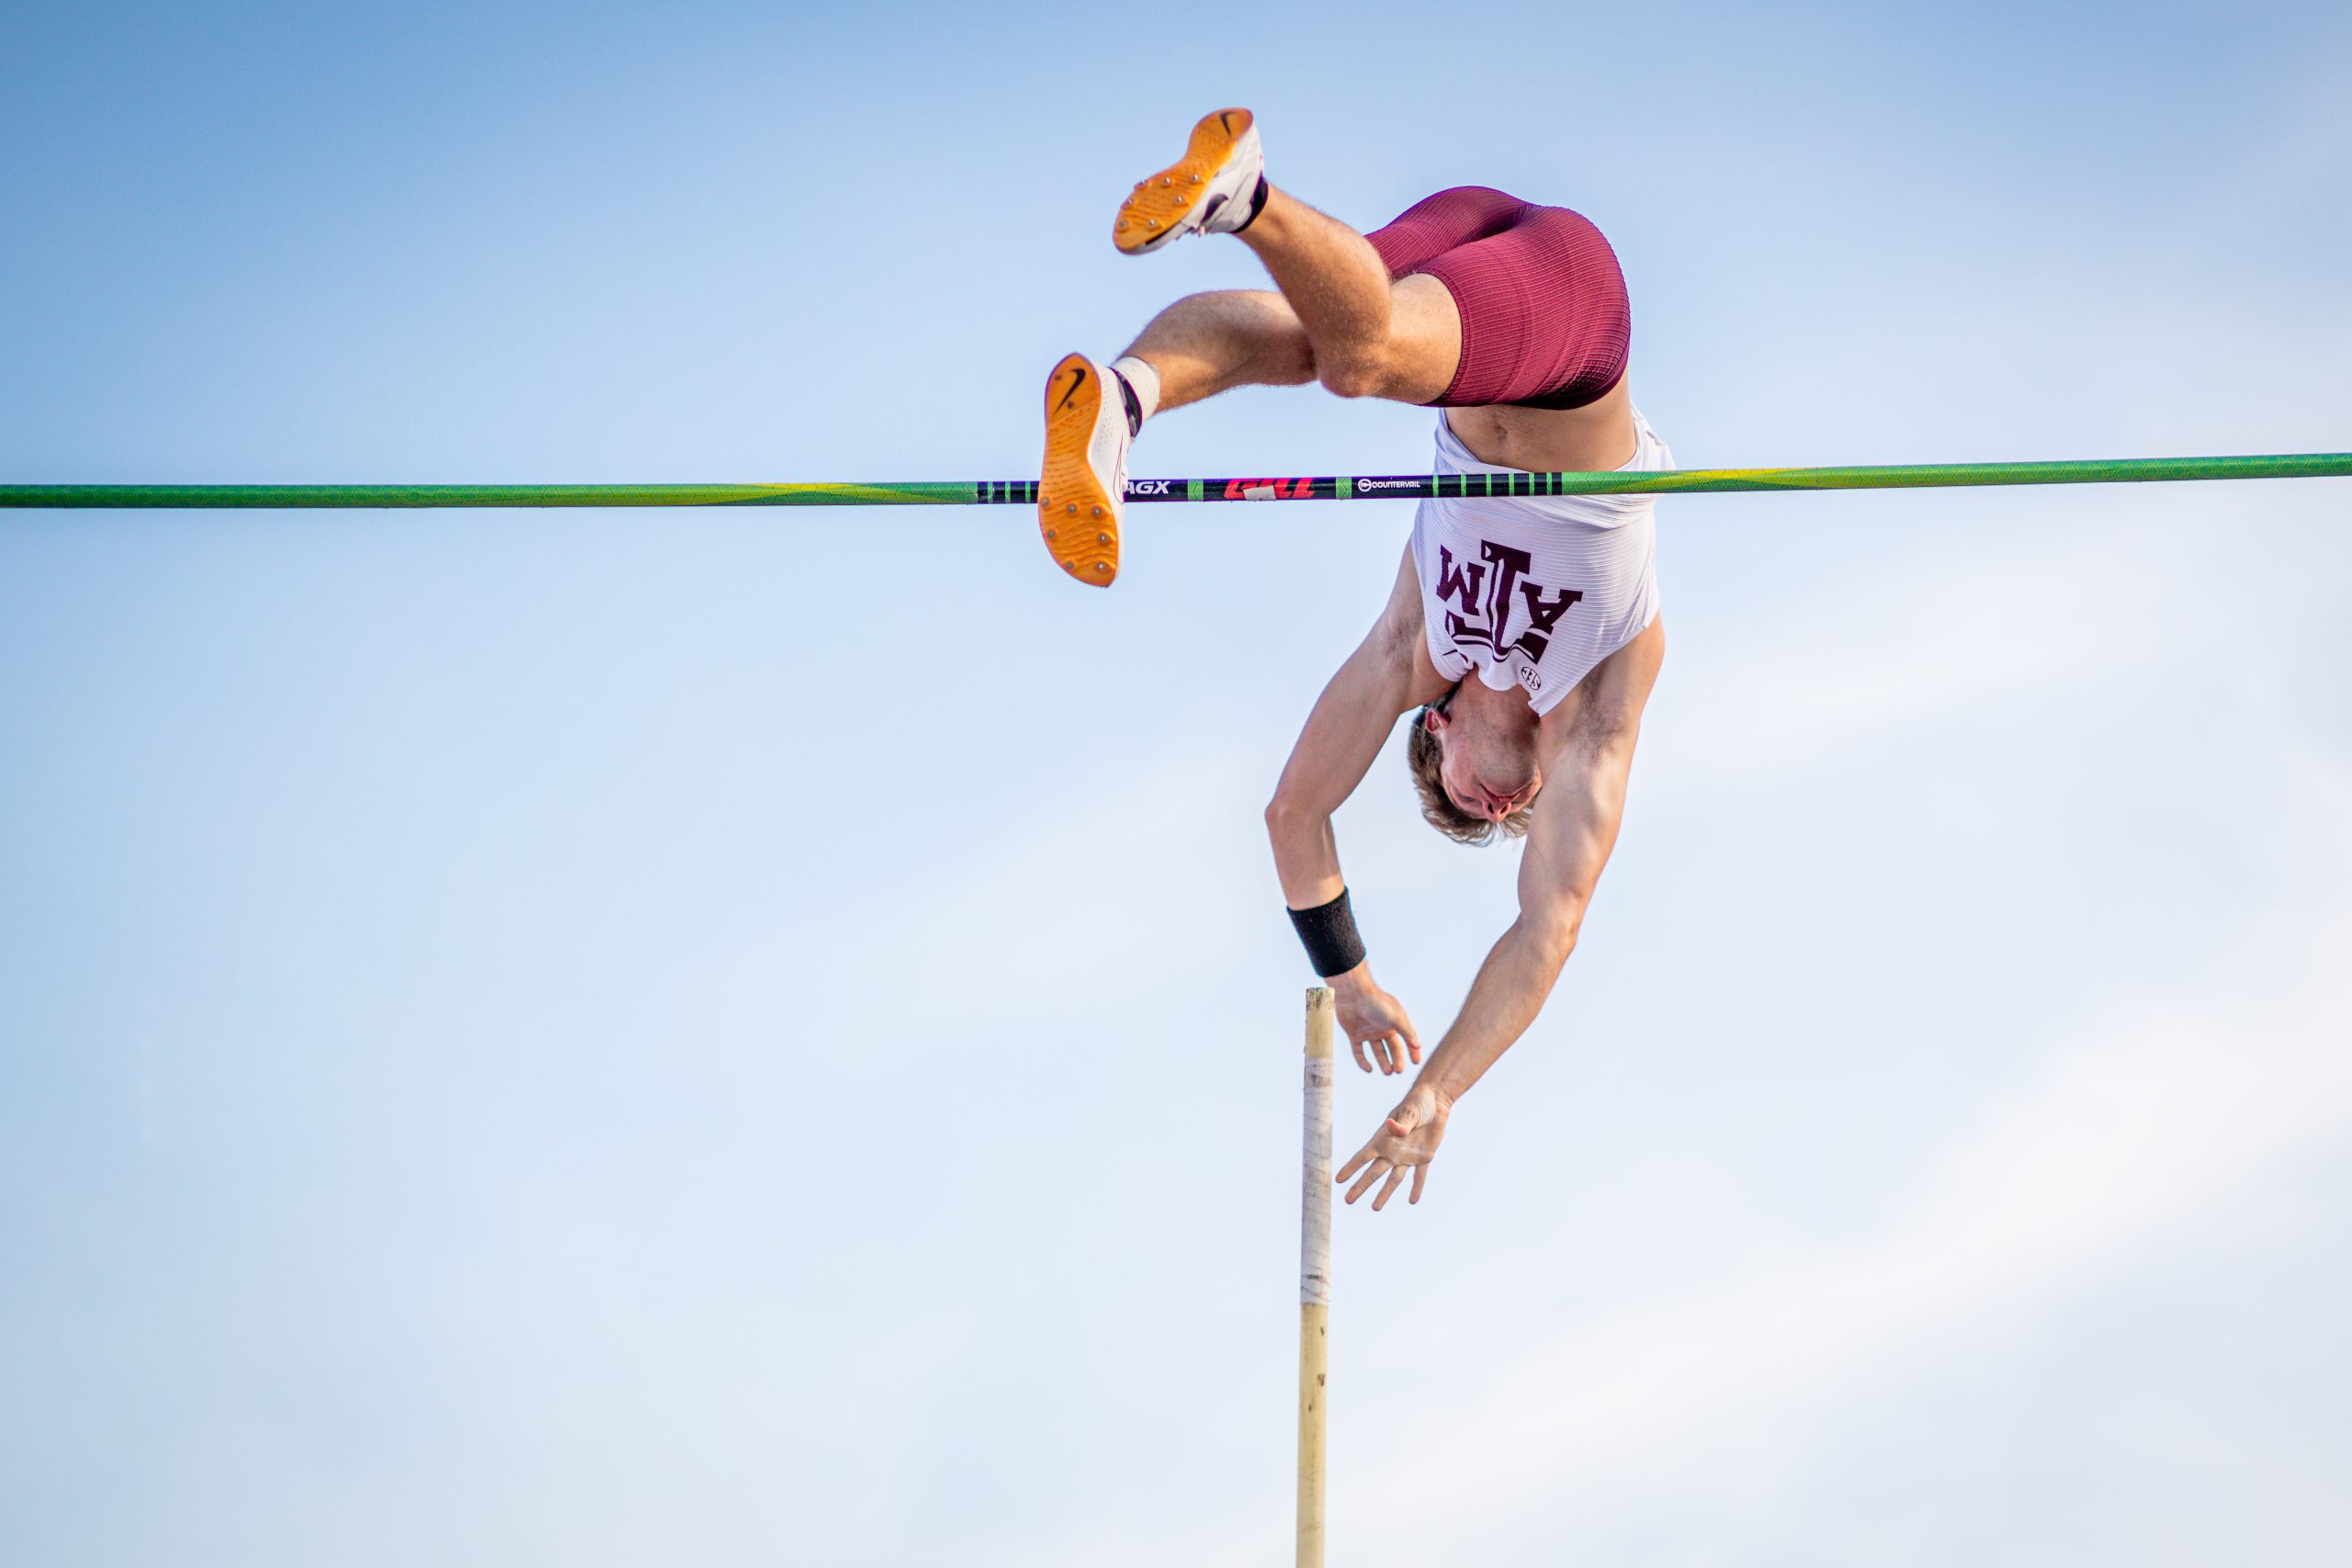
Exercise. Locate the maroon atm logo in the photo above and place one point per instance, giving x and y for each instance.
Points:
(1269, 490)
(1486, 601)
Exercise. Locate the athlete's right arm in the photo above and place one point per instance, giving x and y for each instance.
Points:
(1389, 674)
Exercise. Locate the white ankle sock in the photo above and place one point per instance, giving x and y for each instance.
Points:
(1139, 375)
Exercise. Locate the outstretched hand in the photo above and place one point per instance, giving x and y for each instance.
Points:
(1374, 1018)
(1406, 1141)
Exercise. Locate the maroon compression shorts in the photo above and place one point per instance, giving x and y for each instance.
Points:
(1545, 320)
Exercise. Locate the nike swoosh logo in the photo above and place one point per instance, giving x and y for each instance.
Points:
(1225, 123)
(1080, 381)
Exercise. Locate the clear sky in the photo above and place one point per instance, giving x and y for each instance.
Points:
(763, 1037)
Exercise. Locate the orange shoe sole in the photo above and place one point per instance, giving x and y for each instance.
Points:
(1168, 195)
(1080, 521)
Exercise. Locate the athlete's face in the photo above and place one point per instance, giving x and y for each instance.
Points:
(1491, 770)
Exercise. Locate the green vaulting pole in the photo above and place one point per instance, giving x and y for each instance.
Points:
(1389, 487)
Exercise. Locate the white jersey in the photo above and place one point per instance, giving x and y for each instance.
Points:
(1534, 591)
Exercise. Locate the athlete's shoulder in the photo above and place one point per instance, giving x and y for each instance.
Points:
(1605, 708)
(1400, 640)
(1401, 624)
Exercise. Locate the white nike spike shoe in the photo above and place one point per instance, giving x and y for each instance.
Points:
(1083, 484)
(1214, 190)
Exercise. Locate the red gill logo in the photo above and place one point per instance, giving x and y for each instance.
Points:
(1269, 490)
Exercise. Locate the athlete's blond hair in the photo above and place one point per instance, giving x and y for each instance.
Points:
(1424, 757)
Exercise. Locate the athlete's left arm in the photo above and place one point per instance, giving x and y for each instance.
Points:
(1587, 757)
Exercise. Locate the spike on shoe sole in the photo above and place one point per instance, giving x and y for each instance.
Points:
(1151, 211)
(1079, 522)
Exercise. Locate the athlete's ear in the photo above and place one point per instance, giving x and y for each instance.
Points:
(1433, 719)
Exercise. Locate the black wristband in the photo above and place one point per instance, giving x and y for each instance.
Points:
(1328, 933)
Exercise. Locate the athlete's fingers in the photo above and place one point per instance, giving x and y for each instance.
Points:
(1413, 1041)
(1349, 1169)
(1385, 1049)
(1394, 1176)
(1357, 1046)
(1420, 1179)
(1397, 1051)
(1372, 1173)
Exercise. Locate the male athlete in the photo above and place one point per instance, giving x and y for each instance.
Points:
(1512, 319)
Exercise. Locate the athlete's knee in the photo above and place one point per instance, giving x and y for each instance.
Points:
(1354, 375)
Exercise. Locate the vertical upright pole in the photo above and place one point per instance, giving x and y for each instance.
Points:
(1314, 1276)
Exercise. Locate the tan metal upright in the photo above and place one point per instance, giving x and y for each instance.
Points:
(1314, 1276)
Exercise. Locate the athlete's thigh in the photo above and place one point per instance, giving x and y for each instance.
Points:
(1424, 339)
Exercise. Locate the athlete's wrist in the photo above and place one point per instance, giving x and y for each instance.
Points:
(1433, 1080)
(1328, 933)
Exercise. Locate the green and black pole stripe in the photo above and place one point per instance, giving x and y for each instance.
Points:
(1023, 493)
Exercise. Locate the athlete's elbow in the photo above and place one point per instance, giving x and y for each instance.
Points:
(1552, 934)
(1286, 817)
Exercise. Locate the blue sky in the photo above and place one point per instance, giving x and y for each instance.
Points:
(754, 1036)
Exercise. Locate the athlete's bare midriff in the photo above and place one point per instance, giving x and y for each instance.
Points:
(1549, 440)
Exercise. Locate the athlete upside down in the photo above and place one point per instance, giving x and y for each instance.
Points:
(1513, 320)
